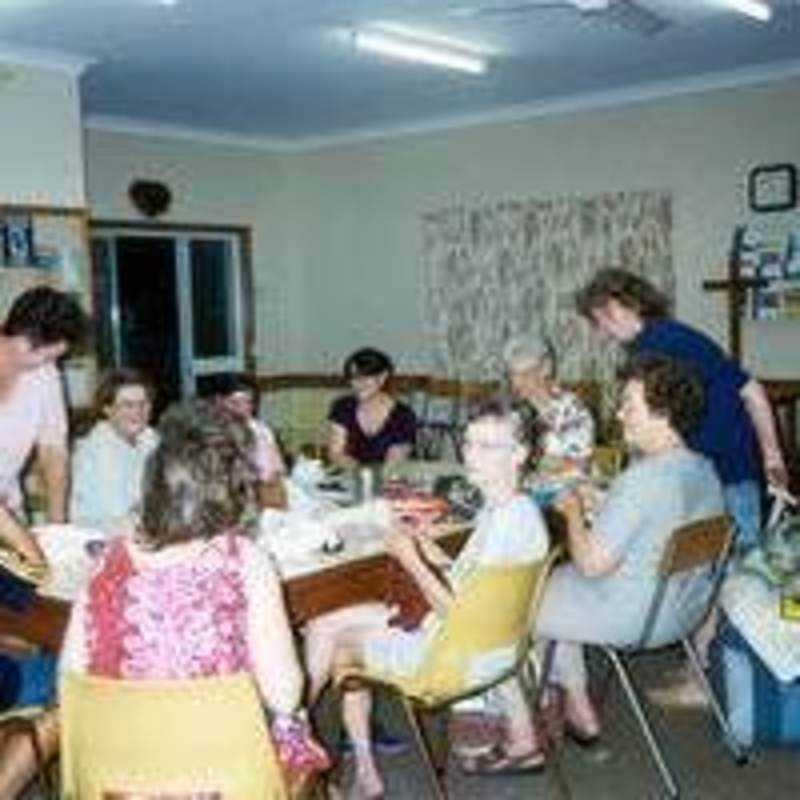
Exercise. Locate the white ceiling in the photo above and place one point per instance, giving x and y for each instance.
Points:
(284, 72)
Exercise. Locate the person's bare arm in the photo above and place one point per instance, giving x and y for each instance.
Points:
(588, 552)
(402, 547)
(758, 407)
(54, 467)
(337, 447)
(18, 538)
(270, 642)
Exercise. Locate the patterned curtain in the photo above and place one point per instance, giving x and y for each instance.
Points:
(493, 269)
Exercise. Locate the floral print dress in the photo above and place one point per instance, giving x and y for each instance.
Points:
(184, 619)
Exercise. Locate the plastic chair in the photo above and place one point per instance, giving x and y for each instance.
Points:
(204, 738)
(496, 607)
(702, 546)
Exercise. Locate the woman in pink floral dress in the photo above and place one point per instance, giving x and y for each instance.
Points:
(190, 596)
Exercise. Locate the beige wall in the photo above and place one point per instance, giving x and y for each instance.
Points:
(41, 150)
(336, 246)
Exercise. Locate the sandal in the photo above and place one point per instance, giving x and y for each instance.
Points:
(497, 762)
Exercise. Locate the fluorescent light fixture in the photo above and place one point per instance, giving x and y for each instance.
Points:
(413, 48)
(757, 9)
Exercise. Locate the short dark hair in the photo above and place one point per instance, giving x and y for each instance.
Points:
(524, 421)
(112, 381)
(672, 388)
(46, 316)
(367, 362)
(629, 290)
(221, 384)
(200, 480)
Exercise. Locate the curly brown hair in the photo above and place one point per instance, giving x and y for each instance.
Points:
(111, 382)
(200, 480)
(629, 290)
(672, 388)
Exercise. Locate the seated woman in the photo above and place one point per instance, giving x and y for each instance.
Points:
(239, 395)
(189, 595)
(108, 463)
(509, 529)
(613, 566)
(369, 426)
(568, 427)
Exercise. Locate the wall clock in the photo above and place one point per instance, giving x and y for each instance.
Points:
(772, 187)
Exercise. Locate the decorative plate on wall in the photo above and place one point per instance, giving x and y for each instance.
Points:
(150, 197)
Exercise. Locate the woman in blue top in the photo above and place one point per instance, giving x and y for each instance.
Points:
(369, 426)
(738, 420)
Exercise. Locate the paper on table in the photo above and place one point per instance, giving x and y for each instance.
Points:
(70, 563)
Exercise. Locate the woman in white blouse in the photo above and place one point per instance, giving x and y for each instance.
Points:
(108, 463)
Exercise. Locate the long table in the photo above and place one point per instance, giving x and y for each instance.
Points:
(308, 595)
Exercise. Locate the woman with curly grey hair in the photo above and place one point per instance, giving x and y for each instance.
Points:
(568, 429)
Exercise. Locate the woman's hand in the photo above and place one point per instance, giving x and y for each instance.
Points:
(20, 539)
(570, 504)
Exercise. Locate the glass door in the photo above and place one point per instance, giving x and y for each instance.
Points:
(169, 303)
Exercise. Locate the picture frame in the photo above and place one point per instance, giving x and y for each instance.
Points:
(18, 240)
(772, 187)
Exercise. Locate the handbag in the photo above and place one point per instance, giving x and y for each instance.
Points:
(302, 758)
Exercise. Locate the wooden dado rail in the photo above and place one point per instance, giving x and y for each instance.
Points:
(407, 383)
(783, 394)
(401, 383)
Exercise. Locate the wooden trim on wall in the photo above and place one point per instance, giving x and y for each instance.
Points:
(406, 382)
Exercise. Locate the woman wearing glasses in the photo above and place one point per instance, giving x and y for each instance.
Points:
(108, 463)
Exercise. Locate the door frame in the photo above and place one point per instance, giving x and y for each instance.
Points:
(245, 282)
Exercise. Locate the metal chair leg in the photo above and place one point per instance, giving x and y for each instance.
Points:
(530, 677)
(436, 781)
(738, 751)
(644, 724)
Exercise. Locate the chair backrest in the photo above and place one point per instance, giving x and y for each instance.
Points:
(203, 737)
(493, 611)
(703, 542)
(691, 547)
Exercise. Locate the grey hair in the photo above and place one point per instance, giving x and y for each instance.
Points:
(532, 348)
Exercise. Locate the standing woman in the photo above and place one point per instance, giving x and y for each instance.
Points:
(737, 429)
(108, 463)
(369, 426)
